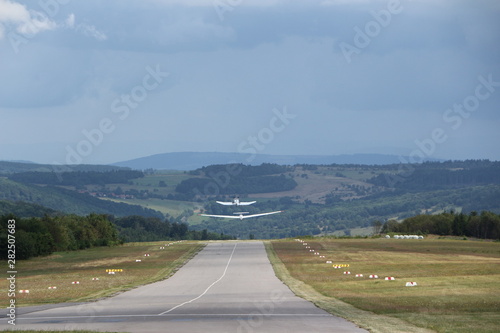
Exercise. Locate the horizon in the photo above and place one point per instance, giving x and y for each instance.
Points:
(323, 78)
(401, 159)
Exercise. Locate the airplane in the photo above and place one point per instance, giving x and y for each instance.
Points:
(236, 202)
(241, 215)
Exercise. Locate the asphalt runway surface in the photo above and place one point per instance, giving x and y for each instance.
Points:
(226, 287)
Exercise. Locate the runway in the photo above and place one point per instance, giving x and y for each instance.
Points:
(227, 287)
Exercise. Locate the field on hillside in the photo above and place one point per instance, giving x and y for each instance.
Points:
(171, 207)
(61, 269)
(161, 183)
(458, 281)
(315, 184)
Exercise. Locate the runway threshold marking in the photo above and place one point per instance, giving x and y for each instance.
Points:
(206, 290)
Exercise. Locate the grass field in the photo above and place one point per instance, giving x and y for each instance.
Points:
(172, 207)
(62, 268)
(150, 182)
(458, 281)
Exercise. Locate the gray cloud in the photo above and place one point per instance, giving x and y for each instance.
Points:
(226, 76)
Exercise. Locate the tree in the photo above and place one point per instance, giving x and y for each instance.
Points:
(391, 226)
(377, 225)
(204, 234)
(25, 245)
(459, 224)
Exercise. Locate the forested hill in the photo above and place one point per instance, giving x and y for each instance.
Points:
(24, 209)
(446, 175)
(338, 198)
(62, 200)
(237, 179)
(316, 199)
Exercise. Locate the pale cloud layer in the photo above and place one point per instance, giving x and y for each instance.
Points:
(113, 80)
(22, 20)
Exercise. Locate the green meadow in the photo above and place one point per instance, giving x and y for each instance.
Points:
(458, 281)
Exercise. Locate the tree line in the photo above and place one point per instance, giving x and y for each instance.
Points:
(485, 225)
(140, 229)
(41, 236)
(235, 185)
(242, 170)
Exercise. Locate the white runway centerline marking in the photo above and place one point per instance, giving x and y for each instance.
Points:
(206, 290)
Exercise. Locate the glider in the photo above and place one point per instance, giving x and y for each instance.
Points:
(236, 202)
(241, 215)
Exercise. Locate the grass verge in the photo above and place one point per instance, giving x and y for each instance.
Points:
(458, 282)
(365, 319)
(82, 275)
(457, 290)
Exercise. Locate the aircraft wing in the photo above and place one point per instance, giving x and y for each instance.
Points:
(247, 203)
(241, 216)
(225, 203)
(261, 214)
(223, 216)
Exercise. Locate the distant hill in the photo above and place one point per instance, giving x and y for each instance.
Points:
(326, 198)
(63, 200)
(195, 160)
(10, 167)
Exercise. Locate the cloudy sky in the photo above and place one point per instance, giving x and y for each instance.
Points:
(104, 81)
